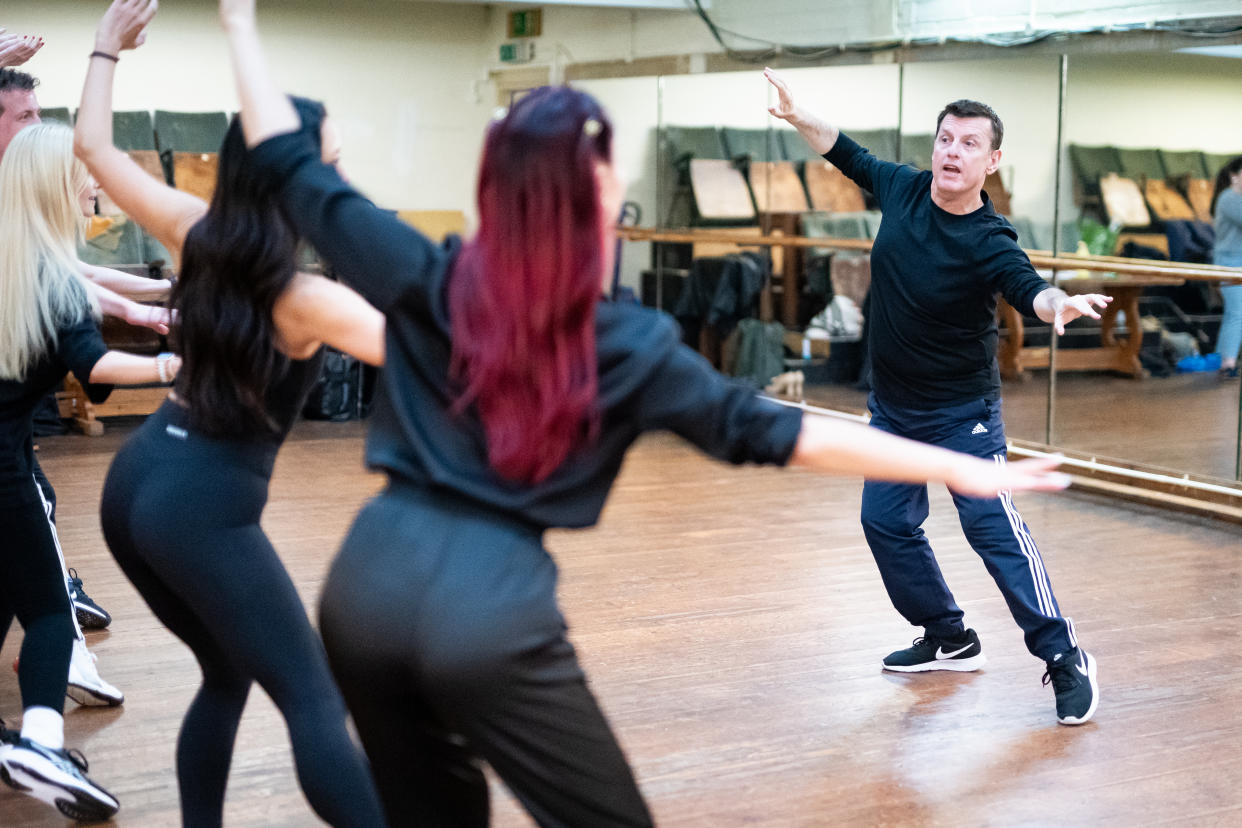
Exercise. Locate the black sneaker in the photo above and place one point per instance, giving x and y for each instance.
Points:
(1072, 676)
(57, 777)
(930, 653)
(91, 616)
(8, 737)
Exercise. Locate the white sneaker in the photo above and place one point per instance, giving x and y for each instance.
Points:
(56, 777)
(85, 685)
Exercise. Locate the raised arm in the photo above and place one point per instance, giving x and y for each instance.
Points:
(166, 213)
(371, 249)
(16, 49)
(315, 310)
(265, 110)
(818, 133)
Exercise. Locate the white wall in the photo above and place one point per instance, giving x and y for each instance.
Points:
(1023, 92)
(593, 34)
(400, 79)
(632, 107)
(405, 80)
(1171, 101)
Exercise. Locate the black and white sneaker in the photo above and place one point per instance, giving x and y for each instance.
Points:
(57, 777)
(1072, 676)
(90, 615)
(930, 653)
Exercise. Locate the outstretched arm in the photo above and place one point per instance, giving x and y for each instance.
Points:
(840, 447)
(16, 49)
(817, 132)
(121, 368)
(1056, 306)
(142, 316)
(166, 213)
(126, 284)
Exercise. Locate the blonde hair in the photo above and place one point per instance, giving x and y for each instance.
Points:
(41, 223)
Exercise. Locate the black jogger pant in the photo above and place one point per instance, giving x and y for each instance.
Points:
(181, 515)
(442, 627)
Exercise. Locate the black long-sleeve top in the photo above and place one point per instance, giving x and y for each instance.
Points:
(647, 379)
(78, 347)
(934, 279)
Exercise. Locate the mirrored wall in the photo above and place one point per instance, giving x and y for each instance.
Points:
(702, 154)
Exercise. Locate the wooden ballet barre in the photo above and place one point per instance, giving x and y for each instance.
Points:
(690, 235)
(1039, 258)
(1126, 280)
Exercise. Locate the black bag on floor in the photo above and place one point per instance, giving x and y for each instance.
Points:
(337, 395)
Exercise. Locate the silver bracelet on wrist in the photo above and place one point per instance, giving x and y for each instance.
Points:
(161, 367)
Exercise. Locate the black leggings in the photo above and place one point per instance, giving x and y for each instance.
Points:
(32, 587)
(181, 515)
(443, 630)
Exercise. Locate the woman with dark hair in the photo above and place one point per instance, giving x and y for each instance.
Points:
(509, 395)
(1227, 215)
(183, 498)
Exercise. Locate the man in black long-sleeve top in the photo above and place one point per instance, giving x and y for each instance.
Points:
(941, 256)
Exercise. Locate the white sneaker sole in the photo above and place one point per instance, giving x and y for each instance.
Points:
(67, 795)
(957, 665)
(95, 696)
(1095, 697)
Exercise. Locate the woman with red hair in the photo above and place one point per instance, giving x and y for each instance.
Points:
(508, 399)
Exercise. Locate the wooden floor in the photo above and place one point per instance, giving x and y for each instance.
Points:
(732, 622)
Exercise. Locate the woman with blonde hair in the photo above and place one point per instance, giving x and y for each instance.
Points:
(47, 328)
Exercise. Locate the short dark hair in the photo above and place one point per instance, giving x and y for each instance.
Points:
(1227, 172)
(11, 79)
(973, 109)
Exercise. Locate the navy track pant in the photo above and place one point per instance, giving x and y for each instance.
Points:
(893, 515)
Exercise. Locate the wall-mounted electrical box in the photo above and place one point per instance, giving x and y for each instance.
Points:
(526, 23)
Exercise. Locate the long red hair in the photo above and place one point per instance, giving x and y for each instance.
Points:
(523, 292)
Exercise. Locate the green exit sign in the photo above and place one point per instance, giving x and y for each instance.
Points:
(521, 51)
(526, 23)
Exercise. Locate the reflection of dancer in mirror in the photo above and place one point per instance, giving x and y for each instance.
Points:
(510, 395)
(1227, 217)
(182, 503)
(47, 328)
(940, 257)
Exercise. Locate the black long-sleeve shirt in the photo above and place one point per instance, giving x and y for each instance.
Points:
(647, 379)
(78, 347)
(934, 280)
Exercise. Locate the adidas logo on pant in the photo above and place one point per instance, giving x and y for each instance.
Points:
(978, 429)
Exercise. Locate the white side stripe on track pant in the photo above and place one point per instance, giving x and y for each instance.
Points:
(1039, 576)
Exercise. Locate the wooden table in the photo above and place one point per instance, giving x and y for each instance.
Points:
(1121, 356)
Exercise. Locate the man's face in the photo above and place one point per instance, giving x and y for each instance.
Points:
(963, 156)
(20, 111)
